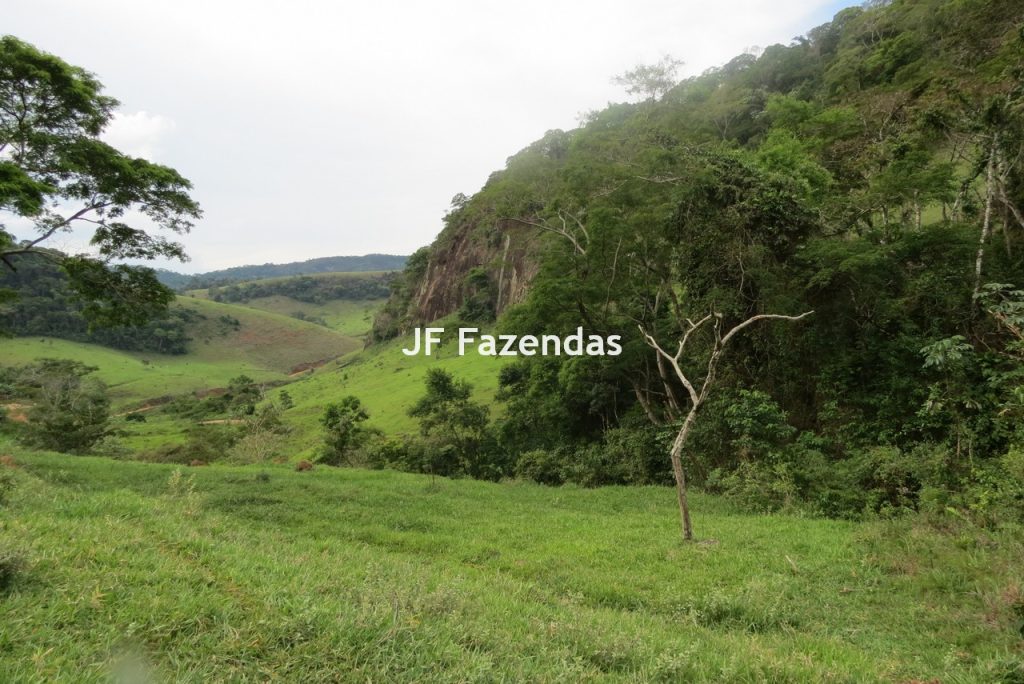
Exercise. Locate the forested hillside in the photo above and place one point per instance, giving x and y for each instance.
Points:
(335, 264)
(871, 172)
(308, 289)
(41, 303)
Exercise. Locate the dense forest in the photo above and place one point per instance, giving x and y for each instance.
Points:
(335, 264)
(308, 289)
(871, 172)
(42, 304)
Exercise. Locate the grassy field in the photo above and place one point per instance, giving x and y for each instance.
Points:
(387, 382)
(136, 377)
(245, 574)
(349, 317)
(266, 346)
(269, 340)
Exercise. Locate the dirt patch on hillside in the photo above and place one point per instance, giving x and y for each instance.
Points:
(306, 367)
(17, 412)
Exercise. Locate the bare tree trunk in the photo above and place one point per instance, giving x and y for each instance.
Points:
(674, 409)
(641, 396)
(697, 397)
(986, 225)
(680, 474)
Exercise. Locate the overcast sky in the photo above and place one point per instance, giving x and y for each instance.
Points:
(315, 128)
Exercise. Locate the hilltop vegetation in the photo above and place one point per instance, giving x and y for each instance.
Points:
(43, 304)
(308, 289)
(336, 264)
(871, 172)
(225, 341)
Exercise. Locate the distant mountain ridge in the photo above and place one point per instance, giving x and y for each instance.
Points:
(367, 262)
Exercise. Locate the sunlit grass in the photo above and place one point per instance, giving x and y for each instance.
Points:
(242, 574)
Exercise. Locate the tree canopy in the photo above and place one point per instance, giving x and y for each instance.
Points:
(871, 171)
(56, 174)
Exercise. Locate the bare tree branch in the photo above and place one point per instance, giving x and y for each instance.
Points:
(697, 398)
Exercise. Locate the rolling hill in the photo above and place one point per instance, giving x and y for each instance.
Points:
(335, 264)
(227, 341)
(344, 302)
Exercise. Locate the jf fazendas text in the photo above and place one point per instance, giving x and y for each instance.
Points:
(576, 344)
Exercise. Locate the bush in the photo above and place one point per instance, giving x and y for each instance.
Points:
(996, 493)
(204, 443)
(6, 484)
(256, 447)
(594, 465)
(756, 486)
(71, 412)
(539, 465)
(383, 451)
(343, 430)
(888, 478)
(11, 564)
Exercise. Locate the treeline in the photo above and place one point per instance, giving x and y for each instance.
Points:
(335, 264)
(43, 305)
(871, 172)
(308, 289)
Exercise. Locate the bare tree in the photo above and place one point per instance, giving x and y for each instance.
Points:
(650, 81)
(698, 396)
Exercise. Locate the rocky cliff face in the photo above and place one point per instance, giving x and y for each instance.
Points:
(506, 257)
(490, 264)
(482, 262)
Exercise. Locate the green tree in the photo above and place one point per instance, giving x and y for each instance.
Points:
(71, 412)
(343, 429)
(650, 81)
(454, 425)
(243, 394)
(56, 173)
(286, 400)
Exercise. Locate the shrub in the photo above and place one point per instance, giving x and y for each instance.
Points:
(11, 564)
(204, 443)
(383, 451)
(343, 430)
(286, 400)
(757, 486)
(593, 465)
(995, 494)
(6, 484)
(888, 479)
(456, 435)
(256, 447)
(539, 465)
(71, 412)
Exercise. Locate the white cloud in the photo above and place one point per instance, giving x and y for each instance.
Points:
(138, 134)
